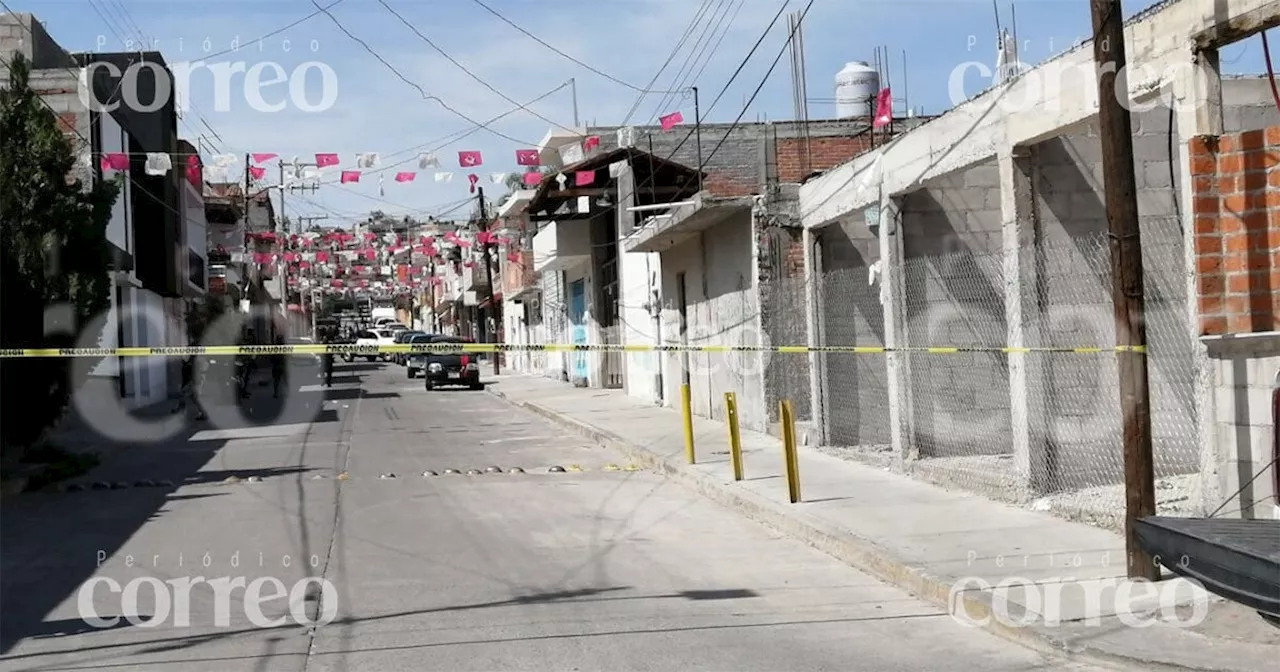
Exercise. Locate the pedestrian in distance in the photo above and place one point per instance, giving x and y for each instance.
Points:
(278, 369)
(191, 375)
(326, 364)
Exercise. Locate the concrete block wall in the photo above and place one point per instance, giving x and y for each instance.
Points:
(23, 33)
(1244, 371)
(1076, 397)
(953, 295)
(855, 387)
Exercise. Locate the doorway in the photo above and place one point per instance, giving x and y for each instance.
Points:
(682, 307)
(578, 327)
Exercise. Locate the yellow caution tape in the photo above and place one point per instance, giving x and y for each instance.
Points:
(426, 348)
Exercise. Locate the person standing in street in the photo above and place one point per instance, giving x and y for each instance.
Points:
(279, 365)
(326, 363)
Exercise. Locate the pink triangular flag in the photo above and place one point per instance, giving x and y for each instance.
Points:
(884, 109)
(350, 176)
(669, 121)
(591, 143)
(257, 173)
(115, 161)
(326, 160)
(531, 179)
(259, 158)
(527, 157)
(405, 177)
(584, 178)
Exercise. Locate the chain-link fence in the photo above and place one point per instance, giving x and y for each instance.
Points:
(1036, 428)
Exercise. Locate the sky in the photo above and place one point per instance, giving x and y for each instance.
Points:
(375, 110)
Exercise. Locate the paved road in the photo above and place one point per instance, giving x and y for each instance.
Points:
(581, 570)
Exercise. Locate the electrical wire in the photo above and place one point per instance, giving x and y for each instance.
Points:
(562, 54)
(406, 80)
(449, 139)
(696, 52)
(742, 65)
(431, 43)
(697, 18)
(763, 80)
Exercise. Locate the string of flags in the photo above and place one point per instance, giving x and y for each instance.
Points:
(351, 263)
(220, 167)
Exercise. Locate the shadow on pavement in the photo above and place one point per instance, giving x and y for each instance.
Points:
(52, 540)
(356, 392)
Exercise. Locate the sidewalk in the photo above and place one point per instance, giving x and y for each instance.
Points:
(914, 535)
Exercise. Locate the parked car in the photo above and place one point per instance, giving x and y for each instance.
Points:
(402, 336)
(415, 362)
(375, 337)
(304, 360)
(445, 367)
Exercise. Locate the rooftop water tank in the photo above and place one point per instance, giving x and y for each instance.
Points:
(856, 88)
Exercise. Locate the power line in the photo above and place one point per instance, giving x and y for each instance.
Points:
(695, 52)
(697, 18)
(763, 80)
(725, 88)
(406, 80)
(455, 136)
(562, 54)
(466, 70)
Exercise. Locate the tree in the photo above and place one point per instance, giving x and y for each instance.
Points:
(53, 252)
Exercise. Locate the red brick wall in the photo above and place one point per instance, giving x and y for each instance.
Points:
(823, 153)
(1236, 184)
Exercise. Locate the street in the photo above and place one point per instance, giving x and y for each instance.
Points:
(598, 566)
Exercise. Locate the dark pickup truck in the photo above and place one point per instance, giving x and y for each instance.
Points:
(444, 367)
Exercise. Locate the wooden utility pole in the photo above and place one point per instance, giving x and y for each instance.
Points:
(1116, 131)
(492, 310)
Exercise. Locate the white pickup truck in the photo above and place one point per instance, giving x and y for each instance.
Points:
(374, 337)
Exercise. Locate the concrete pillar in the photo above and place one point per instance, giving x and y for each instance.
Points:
(895, 330)
(1018, 213)
(1197, 98)
(814, 338)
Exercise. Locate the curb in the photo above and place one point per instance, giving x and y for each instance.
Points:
(857, 552)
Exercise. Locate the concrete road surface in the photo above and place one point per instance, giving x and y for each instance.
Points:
(597, 567)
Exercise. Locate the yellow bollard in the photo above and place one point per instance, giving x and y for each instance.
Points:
(735, 439)
(790, 461)
(686, 407)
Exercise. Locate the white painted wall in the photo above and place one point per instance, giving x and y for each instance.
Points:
(639, 276)
(639, 283)
(723, 309)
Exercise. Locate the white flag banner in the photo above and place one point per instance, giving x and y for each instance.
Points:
(366, 160)
(158, 163)
(444, 177)
(497, 178)
(428, 160)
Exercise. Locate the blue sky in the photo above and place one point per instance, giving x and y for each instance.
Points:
(375, 111)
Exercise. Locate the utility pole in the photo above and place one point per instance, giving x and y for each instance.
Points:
(1119, 187)
(294, 187)
(492, 310)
